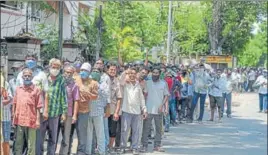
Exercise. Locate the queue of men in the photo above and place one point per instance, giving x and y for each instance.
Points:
(108, 107)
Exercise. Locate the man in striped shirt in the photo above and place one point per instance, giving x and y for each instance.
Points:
(55, 105)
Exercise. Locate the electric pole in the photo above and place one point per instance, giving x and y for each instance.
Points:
(27, 14)
(99, 25)
(169, 30)
(60, 28)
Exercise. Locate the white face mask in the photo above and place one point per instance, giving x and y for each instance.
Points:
(54, 72)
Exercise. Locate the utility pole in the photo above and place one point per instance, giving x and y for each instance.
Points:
(60, 28)
(99, 34)
(27, 14)
(169, 30)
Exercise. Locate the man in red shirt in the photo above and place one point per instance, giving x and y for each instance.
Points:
(26, 109)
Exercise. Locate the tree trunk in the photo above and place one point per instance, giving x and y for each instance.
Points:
(215, 27)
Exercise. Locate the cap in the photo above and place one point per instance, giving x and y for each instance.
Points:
(86, 66)
(17, 65)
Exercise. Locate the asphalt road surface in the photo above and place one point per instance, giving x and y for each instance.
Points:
(243, 134)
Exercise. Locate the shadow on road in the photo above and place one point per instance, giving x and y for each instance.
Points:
(235, 136)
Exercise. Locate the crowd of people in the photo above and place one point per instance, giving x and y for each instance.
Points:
(108, 105)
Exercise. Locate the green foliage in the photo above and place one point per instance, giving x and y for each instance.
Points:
(130, 27)
(49, 35)
(255, 51)
(190, 28)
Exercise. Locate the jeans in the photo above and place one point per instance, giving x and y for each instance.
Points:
(202, 105)
(263, 102)
(106, 132)
(51, 124)
(228, 99)
(25, 133)
(147, 123)
(82, 128)
(97, 123)
(171, 115)
(130, 121)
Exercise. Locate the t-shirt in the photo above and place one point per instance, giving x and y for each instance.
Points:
(156, 92)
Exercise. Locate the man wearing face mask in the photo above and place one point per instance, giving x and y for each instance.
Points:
(55, 105)
(26, 109)
(200, 91)
(40, 80)
(88, 92)
(72, 99)
(157, 103)
(216, 88)
(261, 82)
(96, 119)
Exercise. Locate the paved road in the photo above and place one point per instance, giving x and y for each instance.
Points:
(244, 134)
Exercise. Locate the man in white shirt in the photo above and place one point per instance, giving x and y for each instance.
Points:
(133, 105)
(156, 103)
(261, 82)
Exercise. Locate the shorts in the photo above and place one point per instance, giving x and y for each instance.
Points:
(215, 101)
(113, 126)
(6, 130)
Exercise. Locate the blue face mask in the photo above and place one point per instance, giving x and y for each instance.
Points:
(84, 74)
(27, 82)
(30, 64)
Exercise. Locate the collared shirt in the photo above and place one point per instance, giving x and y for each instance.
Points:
(97, 106)
(262, 83)
(156, 92)
(57, 97)
(39, 79)
(6, 109)
(13, 85)
(133, 100)
(228, 82)
(252, 76)
(116, 94)
(216, 88)
(88, 92)
(105, 78)
(201, 81)
(72, 96)
(27, 100)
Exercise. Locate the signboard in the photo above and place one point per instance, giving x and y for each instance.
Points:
(219, 59)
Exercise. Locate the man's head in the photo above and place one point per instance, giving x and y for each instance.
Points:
(31, 60)
(54, 67)
(112, 69)
(155, 74)
(144, 73)
(132, 74)
(85, 70)
(100, 64)
(27, 76)
(265, 73)
(95, 74)
(16, 68)
(219, 72)
(68, 71)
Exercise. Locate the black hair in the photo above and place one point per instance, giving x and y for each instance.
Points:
(110, 64)
(31, 54)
